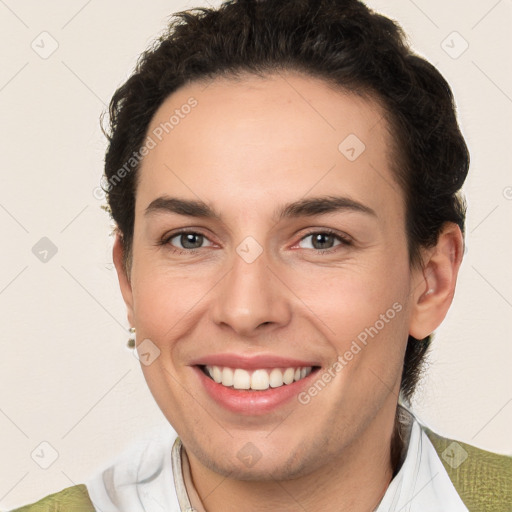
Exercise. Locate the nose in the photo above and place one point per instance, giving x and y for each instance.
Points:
(250, 299)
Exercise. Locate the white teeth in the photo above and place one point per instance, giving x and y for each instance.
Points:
(276, 378)
(288, 375)
(258, 380)
(217, 374)
(241, 379)
(227, 377)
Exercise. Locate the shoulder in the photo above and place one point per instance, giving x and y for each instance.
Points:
(122, 482)
(483, 479)
(139, 476)
(75, 498)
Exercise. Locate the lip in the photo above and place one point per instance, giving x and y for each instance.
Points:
(251, 362)
(253, 403)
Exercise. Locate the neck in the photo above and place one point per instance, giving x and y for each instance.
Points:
(355, 481)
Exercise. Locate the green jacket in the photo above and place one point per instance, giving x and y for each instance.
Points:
(483, 481)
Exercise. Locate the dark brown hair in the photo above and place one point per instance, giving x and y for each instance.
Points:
(340, 41)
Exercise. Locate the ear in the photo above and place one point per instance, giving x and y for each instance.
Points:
(124, 279)
(434, 285)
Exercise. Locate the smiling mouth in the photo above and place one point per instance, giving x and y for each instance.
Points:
(258, 379)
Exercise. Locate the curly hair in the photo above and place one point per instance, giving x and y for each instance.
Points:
(345, 44)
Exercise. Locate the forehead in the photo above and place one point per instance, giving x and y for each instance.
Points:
(278, 136)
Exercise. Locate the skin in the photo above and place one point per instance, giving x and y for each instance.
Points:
(248, 148)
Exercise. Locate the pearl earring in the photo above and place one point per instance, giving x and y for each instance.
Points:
(131, 340)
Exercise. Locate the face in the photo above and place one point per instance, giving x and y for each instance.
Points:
(270, 252)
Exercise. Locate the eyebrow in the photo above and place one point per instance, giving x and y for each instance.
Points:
(307, 207)
(190, 208)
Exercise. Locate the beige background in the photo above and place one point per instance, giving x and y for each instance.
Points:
(66, 377)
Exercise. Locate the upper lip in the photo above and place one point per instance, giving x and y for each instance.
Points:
(251, 362)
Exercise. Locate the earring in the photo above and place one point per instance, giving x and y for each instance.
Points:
(131, 340)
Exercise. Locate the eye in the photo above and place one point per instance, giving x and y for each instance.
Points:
(188, 240)
(322, 240)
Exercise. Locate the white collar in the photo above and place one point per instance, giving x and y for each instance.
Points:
(422, 483)
(142, 479)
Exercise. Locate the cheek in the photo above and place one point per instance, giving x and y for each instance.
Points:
(362, 310)
(352, 298)
(165, 300)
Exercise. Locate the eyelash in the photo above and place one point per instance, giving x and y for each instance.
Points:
(166, 241)
(344, 241)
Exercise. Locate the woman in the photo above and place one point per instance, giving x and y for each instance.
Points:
(285, 180)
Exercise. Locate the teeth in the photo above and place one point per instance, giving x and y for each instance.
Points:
(288, 375)
(227, 377)
(217, 374)
(258, 380)
(276, 378)
(241, 379)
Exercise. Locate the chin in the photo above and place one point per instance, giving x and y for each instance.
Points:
(268, 464)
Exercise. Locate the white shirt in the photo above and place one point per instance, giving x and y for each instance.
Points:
(141, 479)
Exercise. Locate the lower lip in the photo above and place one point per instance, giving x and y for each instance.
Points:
(252, 402)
